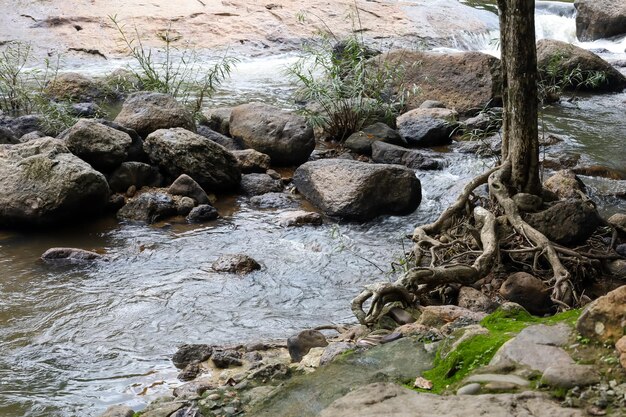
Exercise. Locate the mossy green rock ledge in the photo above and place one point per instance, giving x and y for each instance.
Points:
(42, 184)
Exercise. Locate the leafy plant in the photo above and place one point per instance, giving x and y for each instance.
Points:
(343, 89)
(178, 71)
(554, 79)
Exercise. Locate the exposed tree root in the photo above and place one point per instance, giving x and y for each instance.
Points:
(464, 245)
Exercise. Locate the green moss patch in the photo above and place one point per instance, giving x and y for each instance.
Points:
(480, 349)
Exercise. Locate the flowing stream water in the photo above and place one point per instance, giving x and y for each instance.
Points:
(74, 340)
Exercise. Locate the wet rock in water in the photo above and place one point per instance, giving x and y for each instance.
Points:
(148, 207)
(361, 141)
(597, 19)
(227, 142)
(227, 358)
(475, 300)
(467, 81)
(567, 222)
(178, 151)
(190, 372)
(202, 213)
(136, 174)
(488, 121)
(184, 205)
(302, 343)
(284, 136)
(71, 86)
(101, 146)
(537, 347)
(187, 354)
(529, 292)
(42, 183)
(146, 112)
(116, 202)
(251, 161)
(273, 201)
(118, 411)
(570, 376)
(185, 185)
(385, 153)
(599, 171)
(565, 184)
(70, 255)
(605, 318)
(22, 125)
(85, 109)
(192, 389)
(239, 264)
(564, 58)
(258, 184)
(427, 127)
(356, 190)
(218, 119)
(7, 137)
(299, 218)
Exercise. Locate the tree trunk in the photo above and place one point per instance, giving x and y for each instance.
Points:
(520, 145)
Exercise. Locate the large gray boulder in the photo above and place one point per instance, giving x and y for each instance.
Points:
(597, 19)
(466, 81)
(101, 146)
(75, 87)
(42, 183)
(356, 190)
(284, 136)
(567, 222)
(565, 58)
(178, 151)
(145, 112)
(427, 127)
(148, 207)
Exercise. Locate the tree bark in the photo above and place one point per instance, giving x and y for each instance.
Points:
(520, 144)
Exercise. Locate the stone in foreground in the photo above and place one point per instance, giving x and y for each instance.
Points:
(605, 318)
(356, 190)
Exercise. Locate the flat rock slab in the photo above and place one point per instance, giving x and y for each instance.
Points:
(570, 376)
(390, 400)
(536, 347)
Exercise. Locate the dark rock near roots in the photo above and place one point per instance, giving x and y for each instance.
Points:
(284, 136)
(42, 183)
(227, 142)
(303, 342)
(604, 319)
(185, 185)
(239, 264)
(146, 112)
(101, 146)
(529, 292)
(70, 255)
(567, 222)
(385, 153)
(251, 161)
(202, 213)
(226, 358)
(273, 201)
(361, 141)
(596, 19)
(566, 58)
(299, 218)
(258, 184)
(475, 300)
(427, 127)
(136, 174)
(148, 207)
(466, 82)
(187, 354)
(356, 190)
(178, 151)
